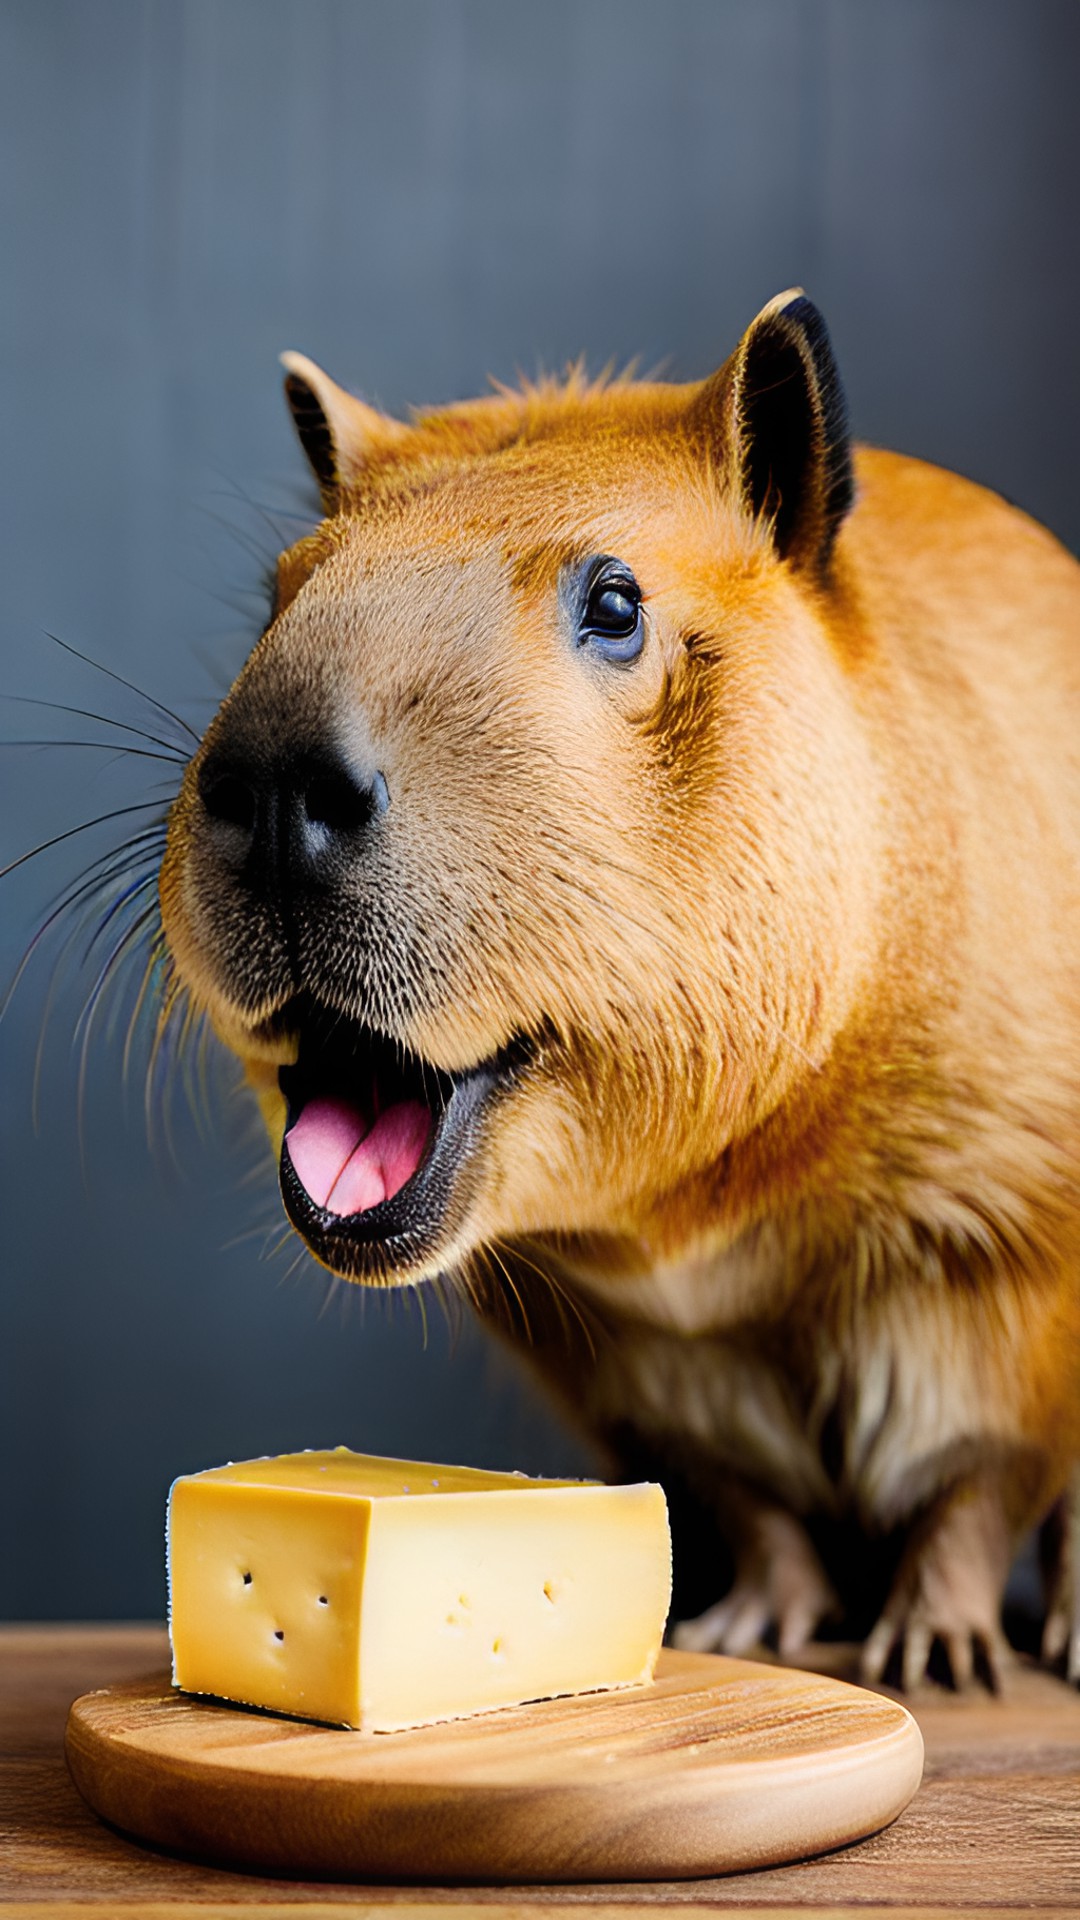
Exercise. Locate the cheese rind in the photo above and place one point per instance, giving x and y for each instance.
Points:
(385, 1594)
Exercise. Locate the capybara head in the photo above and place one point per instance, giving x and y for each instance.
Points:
(521, 866)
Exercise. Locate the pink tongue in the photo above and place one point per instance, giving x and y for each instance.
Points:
(348, 1167)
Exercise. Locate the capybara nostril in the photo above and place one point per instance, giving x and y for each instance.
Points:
(323, 810)
(228, 795)
(334, 799)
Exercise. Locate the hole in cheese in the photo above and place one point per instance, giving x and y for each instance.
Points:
(279, 1633)
(549, 1592)
(247, 1579)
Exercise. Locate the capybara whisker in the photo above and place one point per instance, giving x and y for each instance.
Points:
(57, 839)
(118, 750)
(140, 693)
(172, 751)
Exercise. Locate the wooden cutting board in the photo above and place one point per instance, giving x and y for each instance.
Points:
(720, 1765)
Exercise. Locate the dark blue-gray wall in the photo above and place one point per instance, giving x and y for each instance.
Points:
(419, 193)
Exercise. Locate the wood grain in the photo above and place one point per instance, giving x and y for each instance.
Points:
(720, 1765)
(995, 1826)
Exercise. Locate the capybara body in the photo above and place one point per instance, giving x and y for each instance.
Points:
(639, 870)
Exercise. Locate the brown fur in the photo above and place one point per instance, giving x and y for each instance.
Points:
(794, 906)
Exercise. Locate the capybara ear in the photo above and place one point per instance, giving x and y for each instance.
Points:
(338, 432)
(775, 415)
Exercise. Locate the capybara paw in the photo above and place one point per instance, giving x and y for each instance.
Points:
(948, 1591)
(779, 1582)
(917, 1629)
(1061, 1572)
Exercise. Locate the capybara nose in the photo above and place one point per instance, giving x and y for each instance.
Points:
(291, 822)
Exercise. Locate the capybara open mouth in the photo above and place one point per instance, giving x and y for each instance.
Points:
(375, 1161)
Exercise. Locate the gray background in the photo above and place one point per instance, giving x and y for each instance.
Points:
(419, 194)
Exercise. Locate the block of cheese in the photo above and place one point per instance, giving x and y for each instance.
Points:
(382, 1594)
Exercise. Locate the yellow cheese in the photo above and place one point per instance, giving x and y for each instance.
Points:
(381, 1594)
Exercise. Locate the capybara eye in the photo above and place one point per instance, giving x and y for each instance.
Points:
(611, 619)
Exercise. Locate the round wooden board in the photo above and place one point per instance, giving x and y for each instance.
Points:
(720, 1765)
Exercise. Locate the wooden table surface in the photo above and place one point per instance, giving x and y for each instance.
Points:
(994, 1827)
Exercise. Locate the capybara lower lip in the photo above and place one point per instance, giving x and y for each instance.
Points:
(380, 1145)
